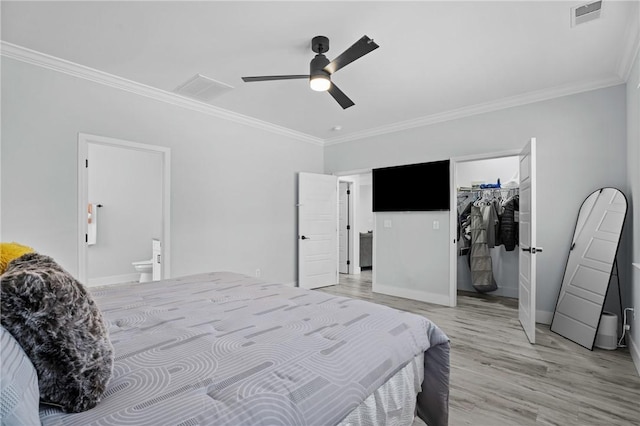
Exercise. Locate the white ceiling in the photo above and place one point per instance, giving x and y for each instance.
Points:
(436, 59)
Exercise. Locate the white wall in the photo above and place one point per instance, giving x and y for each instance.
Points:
(582, 146)
(128, 184)
(406, 253)
(365, 206)
(504, 263)
(366, 214)
(233, 186)
(632, 293)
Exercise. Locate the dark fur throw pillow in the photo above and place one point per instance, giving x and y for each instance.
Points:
(61, 329)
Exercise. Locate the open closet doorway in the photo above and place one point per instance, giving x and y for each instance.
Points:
(123, 211)
(355, 219)
(493, 223)
(489, 189)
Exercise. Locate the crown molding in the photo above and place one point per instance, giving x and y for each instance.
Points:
(510, 102)
(43, 60)
(33, 57)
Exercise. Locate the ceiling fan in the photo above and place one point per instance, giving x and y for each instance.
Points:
(320, 69)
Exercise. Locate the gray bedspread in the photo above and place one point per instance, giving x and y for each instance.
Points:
(227, 349)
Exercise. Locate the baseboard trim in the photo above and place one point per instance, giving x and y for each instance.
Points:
(544, 317)
(408, 293)
(635, 353)
(511, 292)
(113, 279)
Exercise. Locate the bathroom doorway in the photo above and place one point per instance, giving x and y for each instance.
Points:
(358, 239)
(123, 202)
(345, 231)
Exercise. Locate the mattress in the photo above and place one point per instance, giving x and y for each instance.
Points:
(394, 402)
(223, 348)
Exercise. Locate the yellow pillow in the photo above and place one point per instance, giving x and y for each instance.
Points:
(10, 251)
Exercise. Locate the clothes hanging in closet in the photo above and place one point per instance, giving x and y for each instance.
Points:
(465, 201)
(503, 229)
(486, 219)
(479, 255)
(509, 223)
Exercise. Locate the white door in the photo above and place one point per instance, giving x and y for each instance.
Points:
(317, 230)
(591, 258)
(343, 228)
(528, 248)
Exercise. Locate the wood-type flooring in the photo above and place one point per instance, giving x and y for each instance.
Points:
(499, 378)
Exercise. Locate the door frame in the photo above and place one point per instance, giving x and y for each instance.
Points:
(453, 218)
(84, 139)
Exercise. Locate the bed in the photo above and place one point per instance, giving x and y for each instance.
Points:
(227, 349)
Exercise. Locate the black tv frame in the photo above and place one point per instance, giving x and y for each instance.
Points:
(412, 187)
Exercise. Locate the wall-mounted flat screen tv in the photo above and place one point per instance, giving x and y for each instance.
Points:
(413, 187)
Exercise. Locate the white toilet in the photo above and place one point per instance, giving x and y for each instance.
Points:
(150, 270)
(145, 268)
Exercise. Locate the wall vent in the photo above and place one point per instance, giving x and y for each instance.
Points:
(585, 13)
(202, 88)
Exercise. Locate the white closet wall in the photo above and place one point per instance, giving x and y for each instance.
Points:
(487, 171)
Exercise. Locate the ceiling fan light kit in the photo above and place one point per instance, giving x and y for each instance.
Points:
(319, 83)
(321, 69)
(319, 79)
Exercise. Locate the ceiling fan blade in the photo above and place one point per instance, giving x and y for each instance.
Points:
(340, 97)
(273, 77)
(357, 50)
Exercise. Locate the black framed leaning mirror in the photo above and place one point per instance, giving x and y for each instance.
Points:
(590, 263)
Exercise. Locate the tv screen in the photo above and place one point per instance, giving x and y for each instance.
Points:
(414, 187)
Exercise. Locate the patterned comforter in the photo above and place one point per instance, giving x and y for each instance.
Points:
(227, 349)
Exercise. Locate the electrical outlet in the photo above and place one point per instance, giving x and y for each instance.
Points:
(625, 321)
(258, 273)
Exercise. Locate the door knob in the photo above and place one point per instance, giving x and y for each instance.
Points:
(304, 238)
(532, 250)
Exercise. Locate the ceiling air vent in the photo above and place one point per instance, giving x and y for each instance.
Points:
(585, 13)
(202, 88)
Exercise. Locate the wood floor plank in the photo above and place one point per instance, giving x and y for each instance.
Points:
(499, 378)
